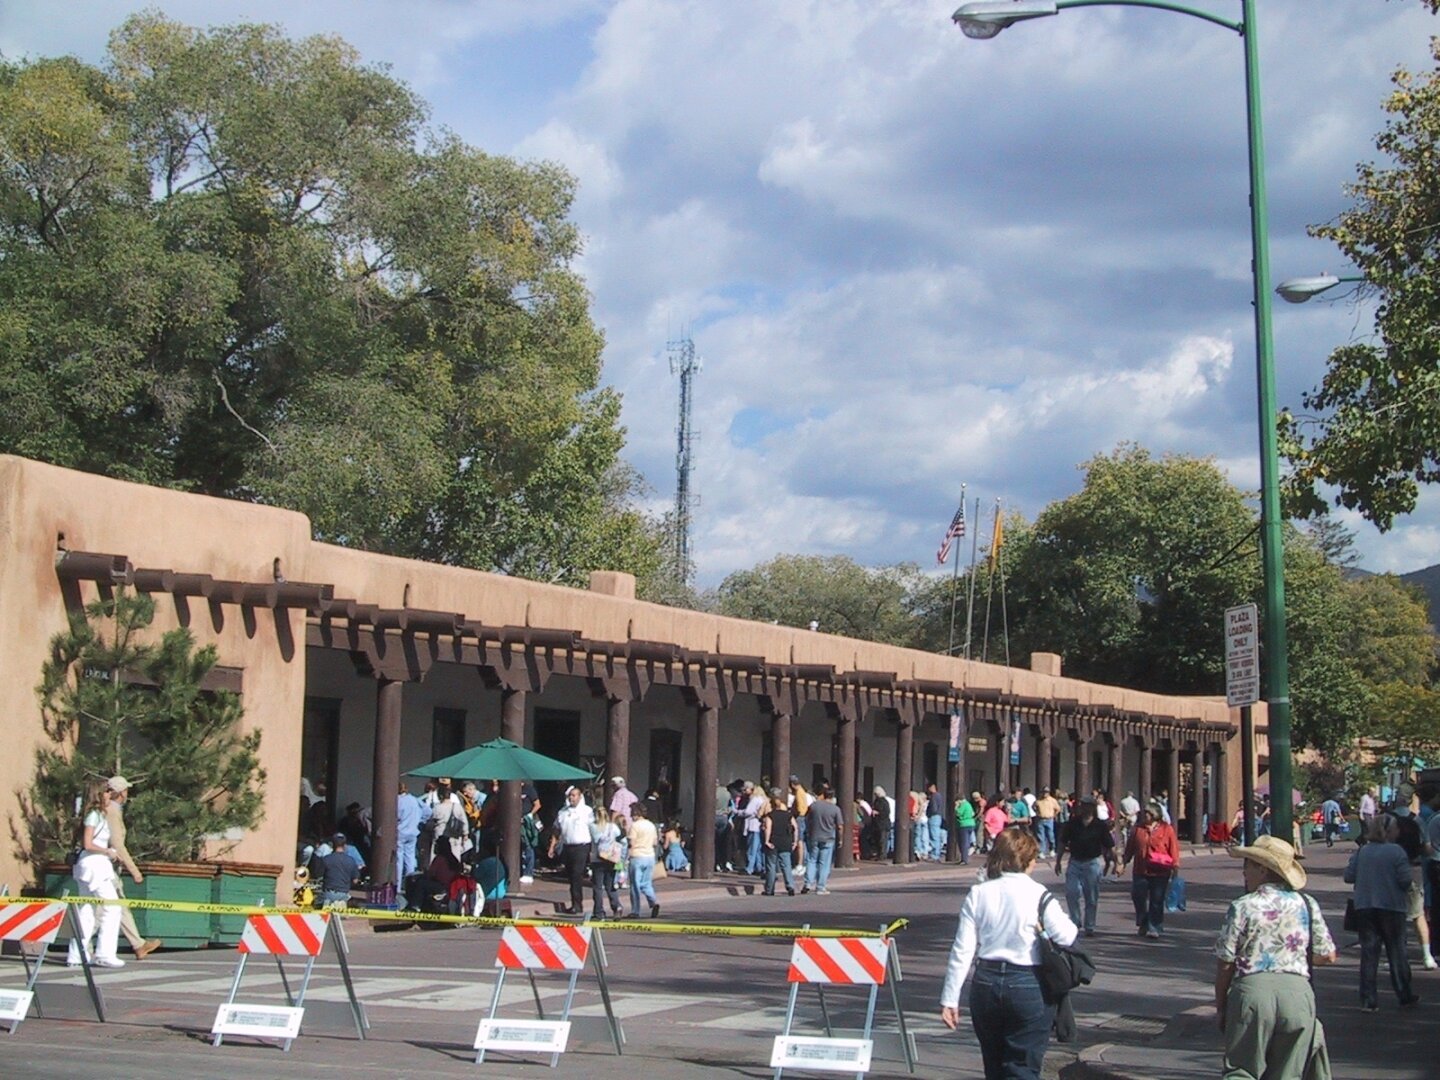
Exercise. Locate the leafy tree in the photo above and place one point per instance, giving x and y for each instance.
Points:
(244, 265)
(1389, 635)
(1407, 718)
(113, 703)
(1375, 432)
(1128, 579)
(834, 591)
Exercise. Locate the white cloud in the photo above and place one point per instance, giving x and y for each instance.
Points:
(909, 259)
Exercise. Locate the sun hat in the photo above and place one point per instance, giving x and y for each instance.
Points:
(1275, 855)
(618, 780)
(118, 784)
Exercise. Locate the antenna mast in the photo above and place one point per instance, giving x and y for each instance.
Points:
(683, 362)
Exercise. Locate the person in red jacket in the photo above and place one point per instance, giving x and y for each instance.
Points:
(1154, 849)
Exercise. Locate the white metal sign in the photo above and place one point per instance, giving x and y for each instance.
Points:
(523, 1036)
(1242, 655)
(15, 1005)
(257, 1021)
(814, 1054)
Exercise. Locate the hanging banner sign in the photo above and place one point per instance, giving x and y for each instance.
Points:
(957, 720)
(1015, 742)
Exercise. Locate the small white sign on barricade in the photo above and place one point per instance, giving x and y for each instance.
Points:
(814, 1054)
(15, 1006)
(523, 1036)
(258, 1021)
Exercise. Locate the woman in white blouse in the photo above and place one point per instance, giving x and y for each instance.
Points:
(996, 937)
(95, 875)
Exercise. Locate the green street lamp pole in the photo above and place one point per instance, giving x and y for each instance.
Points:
(986, 19)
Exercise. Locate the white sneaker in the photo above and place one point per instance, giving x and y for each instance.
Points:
(1430, 964)
(107, 962)
(527, 880)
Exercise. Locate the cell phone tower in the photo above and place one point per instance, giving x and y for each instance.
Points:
(685, 363)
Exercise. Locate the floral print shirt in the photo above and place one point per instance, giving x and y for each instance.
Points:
(1268, 930)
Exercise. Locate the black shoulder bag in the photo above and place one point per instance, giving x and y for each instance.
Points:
(1062, 967)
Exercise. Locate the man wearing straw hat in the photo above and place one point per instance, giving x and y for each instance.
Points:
(1263, 998)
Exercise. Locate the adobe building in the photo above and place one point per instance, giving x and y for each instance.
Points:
(357, 666)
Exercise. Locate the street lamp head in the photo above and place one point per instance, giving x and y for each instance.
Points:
(986, 18)
(1299, 289)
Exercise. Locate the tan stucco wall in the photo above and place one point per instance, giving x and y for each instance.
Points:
(157, 529)
(230, 540)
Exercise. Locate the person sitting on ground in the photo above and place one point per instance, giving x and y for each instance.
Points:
(338, 873)
(673, 845)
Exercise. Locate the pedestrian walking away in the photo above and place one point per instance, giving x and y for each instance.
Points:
(643, 840)
(996, 937)
(1264, 1002)
(120, 789)
(1382, 876)
(604, 859)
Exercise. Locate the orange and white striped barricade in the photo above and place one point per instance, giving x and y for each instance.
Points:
(841, 961)
(35, 924)
(279, 935)
(562, 948)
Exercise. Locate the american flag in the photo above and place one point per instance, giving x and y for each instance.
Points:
(955, 532)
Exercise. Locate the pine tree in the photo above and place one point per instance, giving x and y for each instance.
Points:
(115, 703)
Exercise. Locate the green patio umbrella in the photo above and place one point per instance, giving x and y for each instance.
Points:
(501, 759)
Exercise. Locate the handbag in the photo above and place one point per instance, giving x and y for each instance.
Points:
(1175, 894)
(1062, 967)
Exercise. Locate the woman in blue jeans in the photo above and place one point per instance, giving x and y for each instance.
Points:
(997, 939)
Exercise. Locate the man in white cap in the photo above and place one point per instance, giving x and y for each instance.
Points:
(622, 802)
(115, 816)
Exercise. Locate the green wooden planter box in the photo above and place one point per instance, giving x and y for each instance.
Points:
(187, 882)
(240, 883)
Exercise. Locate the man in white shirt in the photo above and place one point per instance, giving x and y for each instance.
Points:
(571, 841)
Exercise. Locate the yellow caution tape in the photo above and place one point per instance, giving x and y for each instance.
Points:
(647, 926)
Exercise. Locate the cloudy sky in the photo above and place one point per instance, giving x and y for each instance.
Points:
(908, 260)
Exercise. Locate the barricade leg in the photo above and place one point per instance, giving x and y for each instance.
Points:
(234, 989)
(789, 1016)
(342, 953)
(565, 1012)
(84, 965)
(495, 1007)
(895, 977)
(285, 982)
(617, 1034)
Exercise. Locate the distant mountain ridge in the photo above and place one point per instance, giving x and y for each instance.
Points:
(1428, 581)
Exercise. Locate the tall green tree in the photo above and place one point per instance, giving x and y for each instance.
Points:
(843, 597)
(1129, 578)
(1371, 429)
(245, 265)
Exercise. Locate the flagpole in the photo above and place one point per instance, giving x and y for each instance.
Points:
(1004, 614)
(955, 585)
(970, 588)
